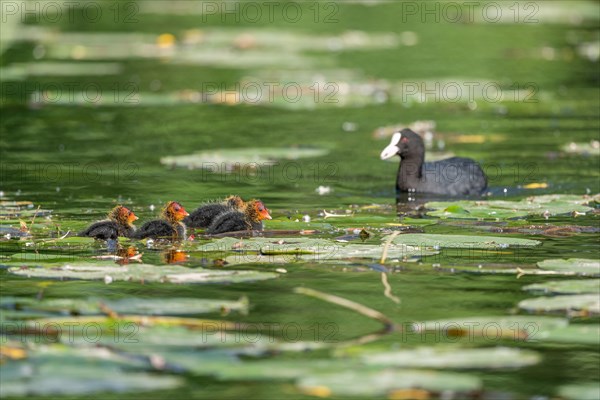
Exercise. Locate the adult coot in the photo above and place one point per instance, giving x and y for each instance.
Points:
(454, 176)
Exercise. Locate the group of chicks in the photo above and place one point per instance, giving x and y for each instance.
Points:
(230, 215)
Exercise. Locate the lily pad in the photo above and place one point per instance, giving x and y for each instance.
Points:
(576, 286)
(589, 303)
(504, 209)
(580, 391)
(386, 382)
(462, 241)
(471, 211)
(59, 370)
(587, 149)
(247, 159)
(129, 305)
(572, 334)
(516, 327)
(580, 266)
(452, 358)
(141, 273)
(287, 250)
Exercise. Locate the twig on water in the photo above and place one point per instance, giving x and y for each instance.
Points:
(387, 292)
(349, 304)
(387, 245)
(388, 289)
(33, 218)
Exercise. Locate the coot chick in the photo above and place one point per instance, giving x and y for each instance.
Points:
(118, 223)
(234, 221)
(168, 227)
(204, 215)
(454, 176)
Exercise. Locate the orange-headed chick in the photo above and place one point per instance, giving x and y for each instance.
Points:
(118, 223)
(233, 221)
(168, 227)
(204, 215)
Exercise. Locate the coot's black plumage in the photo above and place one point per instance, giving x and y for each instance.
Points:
(204, 215)
(169, 227)
(454, 176)
(118, 223)
(234, 221)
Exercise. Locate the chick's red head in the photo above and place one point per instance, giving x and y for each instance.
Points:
(261, 211)
(175, 211)
(123, 214)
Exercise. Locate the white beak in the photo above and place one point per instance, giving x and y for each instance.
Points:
(392, 149)
(389, 151)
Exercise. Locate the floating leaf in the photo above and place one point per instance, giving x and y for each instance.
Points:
(580, 391)
(129, 305)
(461, 241)
(287, 250)
(572, 334)
(58, 370)
(452, 358)
(589, 303)
(493, 328)
(587, 149)
(42, 257)
(385, 382)
(141, 272)
(247, 159)
(471, 211)
(575, 286)
(580, 266)
(503, 209)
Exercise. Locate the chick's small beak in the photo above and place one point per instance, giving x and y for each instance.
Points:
(389, 151)
(184, 213)
(266, 214)
(133, 217)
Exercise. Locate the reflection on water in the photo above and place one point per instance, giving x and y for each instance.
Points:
(174, 256)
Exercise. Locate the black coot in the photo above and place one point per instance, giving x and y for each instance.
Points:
(204, 215)
(118, 223)
(454, 176)
(168, 227)
(234, 221)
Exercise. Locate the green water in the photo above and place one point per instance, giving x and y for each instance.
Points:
(81, 160)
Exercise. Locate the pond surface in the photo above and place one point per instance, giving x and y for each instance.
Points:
(90, 107)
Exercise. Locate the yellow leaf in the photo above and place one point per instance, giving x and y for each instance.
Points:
(165, 40)
(409, 394)
(14, 353)
(542, 185)
(319, 391)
